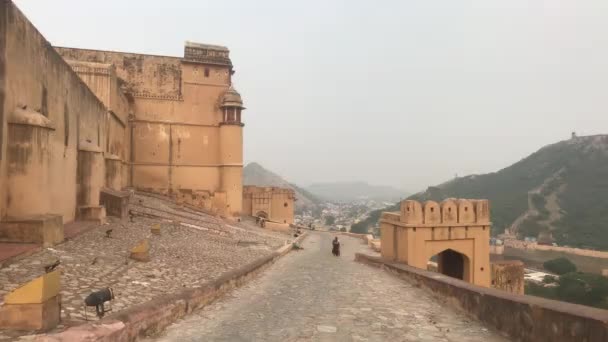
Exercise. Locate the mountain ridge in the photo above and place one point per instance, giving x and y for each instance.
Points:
(350, 191)
(556, 193)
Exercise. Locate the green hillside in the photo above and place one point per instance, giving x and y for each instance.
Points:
(573, 172)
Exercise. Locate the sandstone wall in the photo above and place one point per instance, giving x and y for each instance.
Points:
(3, 138)
(570, 250)
(36, 79)
(283, 207)
(421, 230)
(178, 143)
(277, 203)
(522, 318)
(102, 80)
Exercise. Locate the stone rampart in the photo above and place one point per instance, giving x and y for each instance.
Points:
(522, 318)
(570, 250)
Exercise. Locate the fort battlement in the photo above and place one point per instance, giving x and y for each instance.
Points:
(457, 231)
(251, 189)
(450, 212)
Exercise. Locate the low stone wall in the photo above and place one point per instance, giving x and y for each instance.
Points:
(522, 318)
(355, 235)
(498, 250)
(570, 250)
(154, 316)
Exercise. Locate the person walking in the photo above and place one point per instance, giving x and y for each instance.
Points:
(336, 247)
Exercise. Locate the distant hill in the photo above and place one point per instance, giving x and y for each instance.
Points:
(256, 174)
(559, 193)
(350, 191)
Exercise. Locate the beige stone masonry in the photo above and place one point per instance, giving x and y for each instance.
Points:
(456, 230)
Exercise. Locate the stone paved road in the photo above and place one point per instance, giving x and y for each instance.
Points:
(309, 295)
(182, 257)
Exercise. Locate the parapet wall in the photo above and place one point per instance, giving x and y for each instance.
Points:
(451, 212)
(522, 318)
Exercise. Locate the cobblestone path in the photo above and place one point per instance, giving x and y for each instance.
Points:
(193, 248)
(310, 295)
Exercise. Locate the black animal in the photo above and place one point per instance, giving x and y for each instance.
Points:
(51, 267)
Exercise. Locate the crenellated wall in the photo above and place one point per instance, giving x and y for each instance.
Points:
(457, 231)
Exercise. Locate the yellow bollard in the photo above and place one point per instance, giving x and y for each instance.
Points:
(141, 252)
(35, 305)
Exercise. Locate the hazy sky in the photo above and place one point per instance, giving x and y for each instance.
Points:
(404, 93)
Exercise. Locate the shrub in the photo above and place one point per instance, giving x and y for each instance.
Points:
(359, 228)
(560, 266)
(549, 279)
(583, 288)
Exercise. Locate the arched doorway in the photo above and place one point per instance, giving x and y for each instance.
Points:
(452, 264)
(262, 214)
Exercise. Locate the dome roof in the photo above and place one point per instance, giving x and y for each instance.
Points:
(232, 98)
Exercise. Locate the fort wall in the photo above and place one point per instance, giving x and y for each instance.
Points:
(46, 113)
(457, 231)
(522, 318)
(277, 204)
(179, 139)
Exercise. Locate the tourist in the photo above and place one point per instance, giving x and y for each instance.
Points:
(336, 247)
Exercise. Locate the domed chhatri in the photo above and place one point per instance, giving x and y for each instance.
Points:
(232, 98)
(232, 105)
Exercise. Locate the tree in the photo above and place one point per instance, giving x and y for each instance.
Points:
(583, 288)
(359, 228)
(549, 279)
(560, 266)
(329, 220)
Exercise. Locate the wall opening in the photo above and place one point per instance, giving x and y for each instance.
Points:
(262, 214)
(452, 264)
(66, 125)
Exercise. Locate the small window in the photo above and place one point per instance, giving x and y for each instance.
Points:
(285, 205)
(206, 72)
(66, 124)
